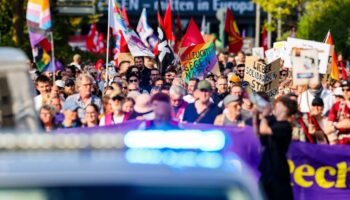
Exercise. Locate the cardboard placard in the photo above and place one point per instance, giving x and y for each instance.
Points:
(198, 60)
(305, 66)
(261, 76)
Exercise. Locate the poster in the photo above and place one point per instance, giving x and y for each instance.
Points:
(198, 60)
(324, 52)
(259, 52)
(261, 76)
(304, 64)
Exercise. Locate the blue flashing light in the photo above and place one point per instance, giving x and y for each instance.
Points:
(213, 140)
(173, 158)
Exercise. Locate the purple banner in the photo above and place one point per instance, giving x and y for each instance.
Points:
(319, 171)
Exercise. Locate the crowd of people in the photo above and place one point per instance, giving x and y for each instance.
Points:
(85, 95)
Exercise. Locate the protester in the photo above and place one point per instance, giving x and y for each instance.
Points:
(43, 85)
(128, 106)
(202, 110)
(85, 96)
(275, 136)
(191, 88)
(143, 108)
(222, 89)
(47, 118)
(118, 115)
(178, 105)
(91, 115)
(339, 118)
(233, 115)
(71, 119)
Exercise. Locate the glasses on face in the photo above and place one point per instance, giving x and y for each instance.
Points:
(240, 71)
(204, 90)
(130, 90)
(133, 80)
(346, 90)
(124, 88)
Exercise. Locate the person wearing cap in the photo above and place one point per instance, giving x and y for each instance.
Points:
(338, 125)
(233, 115)
(202, 110)
(338, 93)
(71, 119)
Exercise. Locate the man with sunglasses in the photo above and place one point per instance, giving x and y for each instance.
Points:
(202, 110)
(339, 118)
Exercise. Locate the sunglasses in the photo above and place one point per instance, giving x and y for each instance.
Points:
(133, 80)
(346, 90)
(204, 90)
(240, 70)
(125, 88)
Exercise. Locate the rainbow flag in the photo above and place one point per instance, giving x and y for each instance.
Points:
(198, 60)
(39, 23)
(38, 14)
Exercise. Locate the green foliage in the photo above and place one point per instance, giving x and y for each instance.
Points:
(321, 16)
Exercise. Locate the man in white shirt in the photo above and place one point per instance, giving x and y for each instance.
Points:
(43, 85)
(316, 89)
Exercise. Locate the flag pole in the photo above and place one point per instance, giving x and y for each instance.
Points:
(53, 58)
(107, 51)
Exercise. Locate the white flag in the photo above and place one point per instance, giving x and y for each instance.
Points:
(143, 29)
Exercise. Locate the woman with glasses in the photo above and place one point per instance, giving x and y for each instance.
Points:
(46, 116)
(91, 115)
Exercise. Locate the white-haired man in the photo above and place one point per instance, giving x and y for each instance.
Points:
(177, 102)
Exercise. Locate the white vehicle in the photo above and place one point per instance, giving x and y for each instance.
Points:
(16, 92)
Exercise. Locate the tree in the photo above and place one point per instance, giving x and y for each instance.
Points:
(279, 9)
(321, 16)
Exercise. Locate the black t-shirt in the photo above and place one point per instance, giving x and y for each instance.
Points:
(145, 78)
(191, 114)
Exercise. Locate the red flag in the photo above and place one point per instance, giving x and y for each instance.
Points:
(235, 41)
(91, 39)
(264, 39)
(193, 35)
(168, 23)
(125, 16)
(178, 33)
(334, 68)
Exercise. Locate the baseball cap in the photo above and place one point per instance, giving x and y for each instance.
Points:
(234, 79)
(204, 85)
(60, 83)
(338, 91)
(230, 98)
(345, 83)
(70, 106)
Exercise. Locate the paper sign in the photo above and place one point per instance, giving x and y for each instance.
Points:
(261, 76)
(259, 52)
(271, 55)
(198, 60)
(304, 63)
(324, 52)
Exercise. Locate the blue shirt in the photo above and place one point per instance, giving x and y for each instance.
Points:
(76, 100)
(191, 114)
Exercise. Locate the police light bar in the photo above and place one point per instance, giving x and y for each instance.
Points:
(213, 140)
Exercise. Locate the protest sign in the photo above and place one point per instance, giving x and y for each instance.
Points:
(198, 60)
(304, 63)
(324, 52)
(125, 57)
(261, 76)
(271, 55)
(259, 52)
(248, 44)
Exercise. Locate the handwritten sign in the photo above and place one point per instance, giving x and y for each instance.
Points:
(259, 52)
(261, 76)
(198, 60)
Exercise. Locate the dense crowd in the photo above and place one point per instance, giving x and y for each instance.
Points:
(89, 95)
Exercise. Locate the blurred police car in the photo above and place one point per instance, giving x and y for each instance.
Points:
(136, 165)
